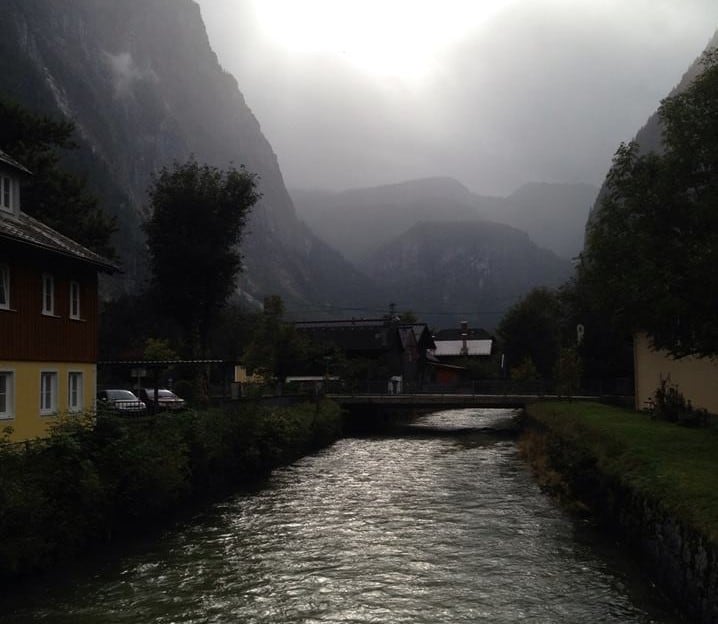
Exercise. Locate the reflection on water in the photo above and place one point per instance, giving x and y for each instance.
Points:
(396, 529)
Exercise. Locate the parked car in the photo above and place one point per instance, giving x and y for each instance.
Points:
(119, 401)
(166, 399)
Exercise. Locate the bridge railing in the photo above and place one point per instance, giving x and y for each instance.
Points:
(487, 387)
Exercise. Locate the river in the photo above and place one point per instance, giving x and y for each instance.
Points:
(443, 524)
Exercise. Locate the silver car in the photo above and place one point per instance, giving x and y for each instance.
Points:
(122, 402)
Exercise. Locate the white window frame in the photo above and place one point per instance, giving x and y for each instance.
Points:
(48, 294)
(7, 394)
(75, 401)
(48, 392)
(5, 286)
(75, 300)
(6, 193)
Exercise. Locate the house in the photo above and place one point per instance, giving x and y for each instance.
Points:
(694, 377)
(395, 351)
(454, 348)
(48, 316)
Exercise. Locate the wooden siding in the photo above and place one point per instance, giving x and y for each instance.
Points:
(26, 333)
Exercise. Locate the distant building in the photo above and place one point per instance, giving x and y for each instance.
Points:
(395, 351)
(48, 316)
(454, 348)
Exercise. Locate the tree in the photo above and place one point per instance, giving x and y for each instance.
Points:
(198, 213)
(531, 330)
(52, 195)
(652, 247)
(277, 349)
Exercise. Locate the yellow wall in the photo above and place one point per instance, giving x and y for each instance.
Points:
(27, 422)
(696, 378)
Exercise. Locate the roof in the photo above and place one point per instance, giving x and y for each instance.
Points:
(363, 335)
(28, 230)
(458, 333)
(454, 347)
(366, 335)
(9, 160)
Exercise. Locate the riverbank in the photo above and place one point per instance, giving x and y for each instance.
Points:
(83, 485)
(653, 481)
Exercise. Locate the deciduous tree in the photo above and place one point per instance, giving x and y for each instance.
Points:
(652, 248)
(531, 330)
(198, 213)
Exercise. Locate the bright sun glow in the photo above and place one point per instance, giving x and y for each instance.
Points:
(383, 37)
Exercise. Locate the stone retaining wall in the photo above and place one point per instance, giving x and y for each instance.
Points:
(680, 561)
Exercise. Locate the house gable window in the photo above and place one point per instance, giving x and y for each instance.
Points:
(4, 287)
(7, 387)
(74, 392)
(48, 393)
(6, 193)
(48, 294)
(74, 300)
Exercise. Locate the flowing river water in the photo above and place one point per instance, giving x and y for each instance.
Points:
(442, 524)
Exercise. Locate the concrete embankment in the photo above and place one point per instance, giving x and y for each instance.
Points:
(655, 484)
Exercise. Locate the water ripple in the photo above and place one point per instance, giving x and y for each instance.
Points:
(391, 530)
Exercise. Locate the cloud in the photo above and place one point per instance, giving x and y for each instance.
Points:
(544, 91)
(125, 72)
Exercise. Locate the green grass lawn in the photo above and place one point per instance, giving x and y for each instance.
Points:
(674, 464)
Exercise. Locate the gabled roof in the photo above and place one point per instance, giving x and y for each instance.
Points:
(450, 348)
(10, 161)
(358, 335)
(457, 334)
(29, 231)
(366, 335)
(458, 342)
(24, 229)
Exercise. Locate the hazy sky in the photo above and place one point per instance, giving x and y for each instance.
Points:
(495, 93)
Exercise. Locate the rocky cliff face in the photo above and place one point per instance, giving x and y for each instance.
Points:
(454, 271)
(141, 82)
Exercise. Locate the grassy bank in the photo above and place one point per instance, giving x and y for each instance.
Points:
(84, 485)
(673, 465)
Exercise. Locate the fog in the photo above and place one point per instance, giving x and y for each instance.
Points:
(495, 93)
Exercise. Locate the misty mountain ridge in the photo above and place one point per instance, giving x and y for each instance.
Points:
(360, 221)
(450, 270)
(142, 84)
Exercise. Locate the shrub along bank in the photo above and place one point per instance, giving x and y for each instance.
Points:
(85, 484)
(656, 481)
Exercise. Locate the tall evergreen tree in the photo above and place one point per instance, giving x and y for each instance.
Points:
(56, 197)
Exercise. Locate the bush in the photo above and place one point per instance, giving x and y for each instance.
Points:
(84, 484)
(670, 404)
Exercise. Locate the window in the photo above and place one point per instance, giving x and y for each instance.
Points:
(74, 300)
(5, 193)
(48, 294)
(48, 393)
(74, 392)
(4, 287)
(7, 382)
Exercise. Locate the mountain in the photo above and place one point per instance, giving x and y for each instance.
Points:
(553, 215)
(451, 271)
(360, 221)
(144, 88)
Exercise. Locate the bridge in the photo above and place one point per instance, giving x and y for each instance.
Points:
(443, 401)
